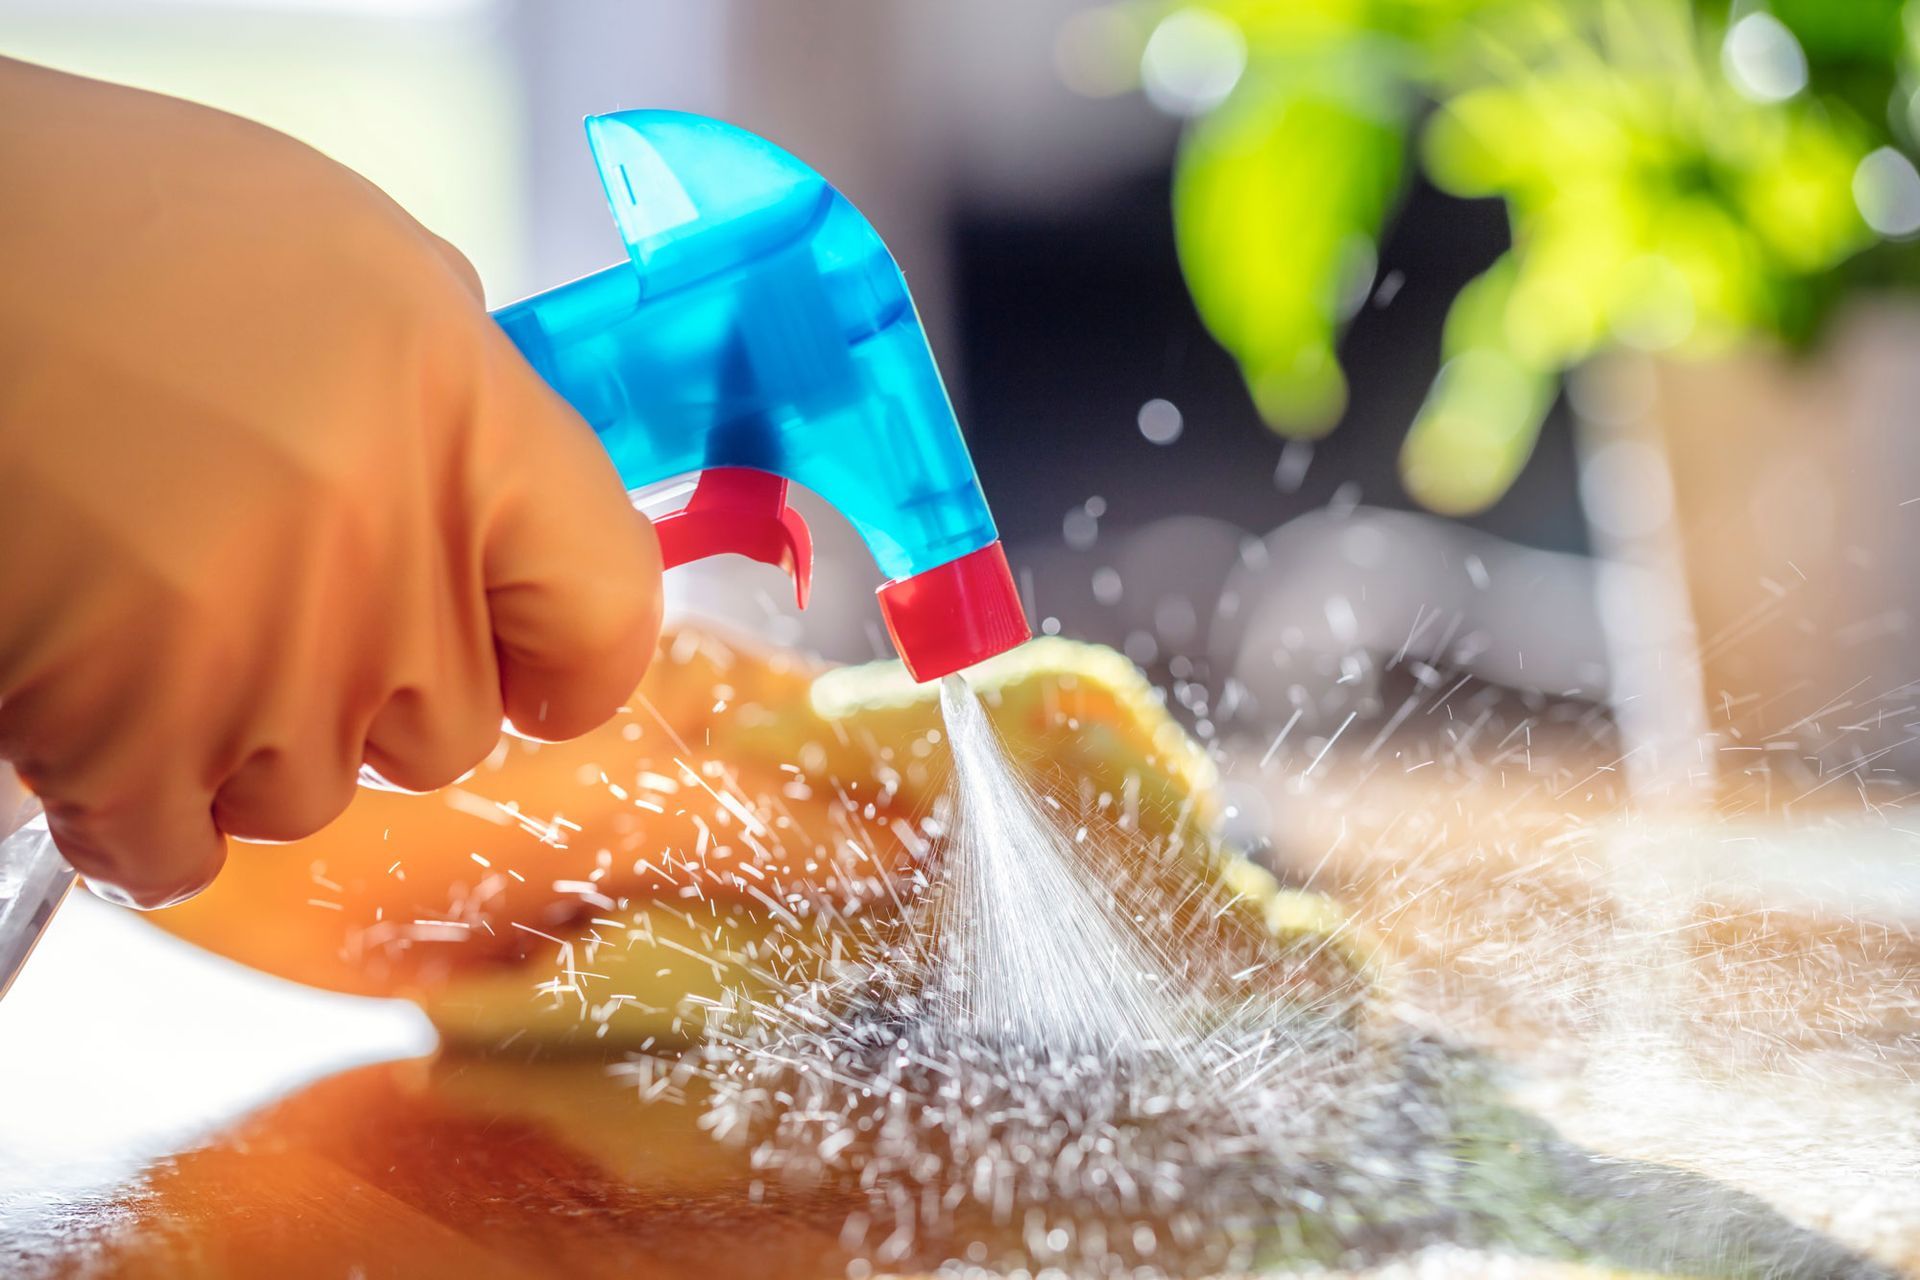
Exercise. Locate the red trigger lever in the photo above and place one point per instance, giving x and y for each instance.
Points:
(744, 512)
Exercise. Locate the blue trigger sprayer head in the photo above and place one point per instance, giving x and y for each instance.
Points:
(760, 333)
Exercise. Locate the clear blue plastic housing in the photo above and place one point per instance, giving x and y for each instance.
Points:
(759, 322)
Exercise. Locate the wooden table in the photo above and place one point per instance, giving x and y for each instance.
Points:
(166, 1114)
(169, 1115)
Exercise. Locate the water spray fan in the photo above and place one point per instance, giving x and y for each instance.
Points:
(760, 334)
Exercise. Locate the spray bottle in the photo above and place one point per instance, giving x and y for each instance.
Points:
(759, 334)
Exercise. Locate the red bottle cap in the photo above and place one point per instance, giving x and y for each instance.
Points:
(956, 614)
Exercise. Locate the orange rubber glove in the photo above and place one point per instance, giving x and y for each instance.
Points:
(276, 497)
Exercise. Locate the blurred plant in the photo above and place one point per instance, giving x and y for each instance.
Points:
(1678, 177)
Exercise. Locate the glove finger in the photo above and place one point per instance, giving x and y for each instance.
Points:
(13, 798)
(157, 848)
(572, 570)
(459, 264)
(422, 742)
(112, 754)
(280, 795)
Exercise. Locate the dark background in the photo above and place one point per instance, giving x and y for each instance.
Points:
(1071, 320)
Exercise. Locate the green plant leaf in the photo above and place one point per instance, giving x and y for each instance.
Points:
(1278, 200)
(1482, 417)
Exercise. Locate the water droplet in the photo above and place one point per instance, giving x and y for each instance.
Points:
(1096, 52)
(1080, 529)
(1625, 489)
(1160, 421)
(1192, 61)
(1762, 59)
(1390, 285)
(1295, 456)
(1887, 189)
(1174, 619)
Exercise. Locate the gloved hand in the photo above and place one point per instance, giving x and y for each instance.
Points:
(276, 497)
(13, 798)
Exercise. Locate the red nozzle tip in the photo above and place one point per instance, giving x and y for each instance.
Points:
(956, 614)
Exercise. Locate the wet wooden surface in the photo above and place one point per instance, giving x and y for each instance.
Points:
(168, 1115)
(444, 1168)
(165, 1114)
(1732, 991)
